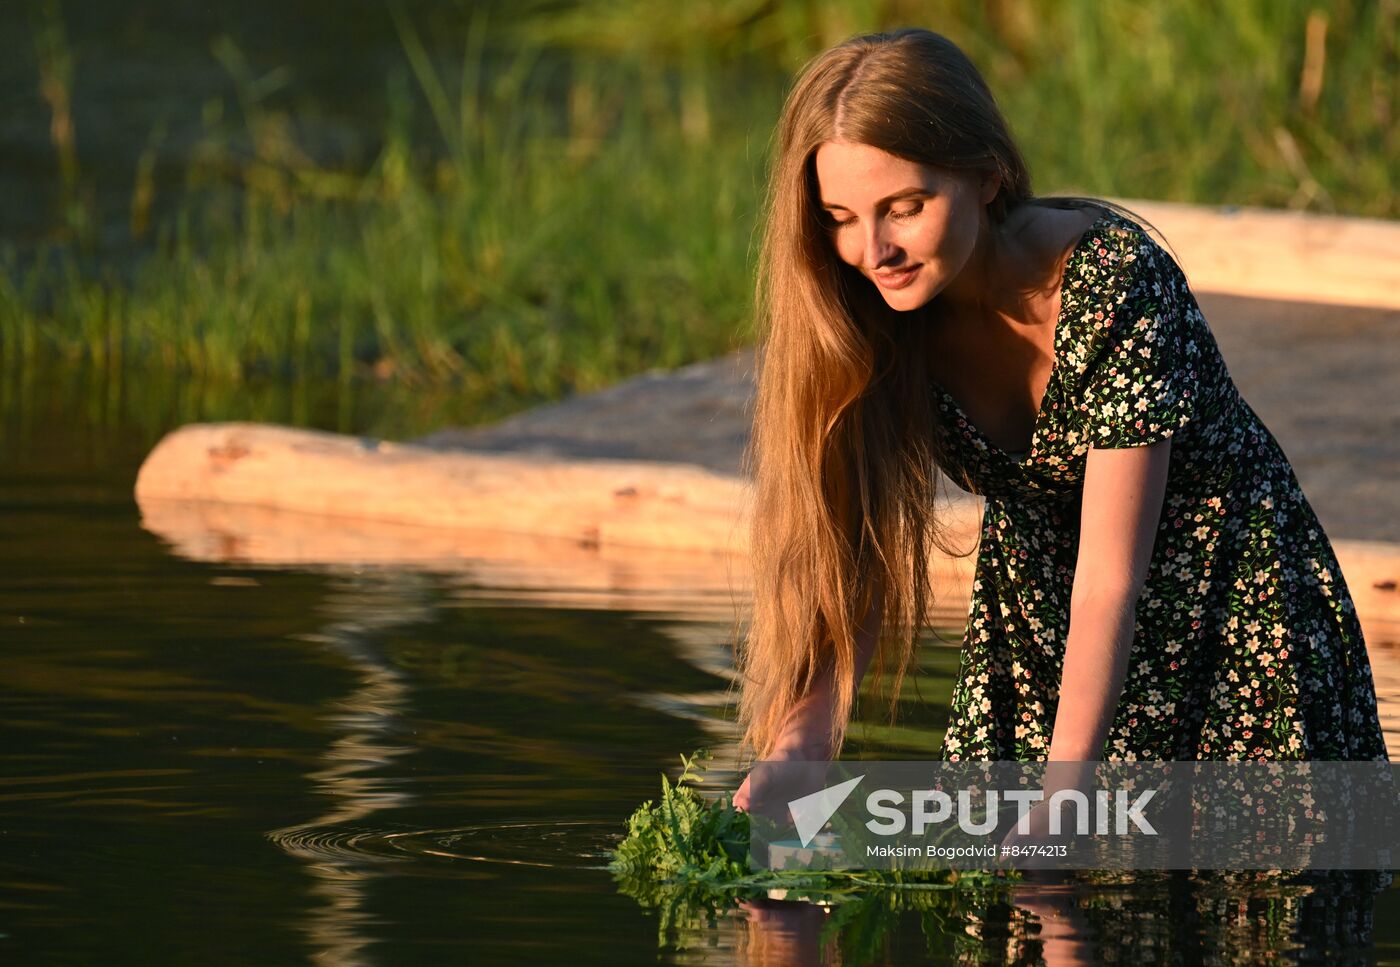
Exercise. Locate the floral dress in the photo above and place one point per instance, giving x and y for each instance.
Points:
(1246, 641)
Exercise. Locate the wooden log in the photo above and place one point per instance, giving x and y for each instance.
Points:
(612, 501)
(1273, 254)
(242, 493)
(1372, 572)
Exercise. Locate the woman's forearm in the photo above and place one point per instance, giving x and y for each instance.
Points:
(1095, 666)
(812, 720)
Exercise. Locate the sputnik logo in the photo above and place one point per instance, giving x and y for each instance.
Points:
(810, 812)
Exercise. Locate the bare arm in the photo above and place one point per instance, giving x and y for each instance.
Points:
(807, 733)
(1122, 506)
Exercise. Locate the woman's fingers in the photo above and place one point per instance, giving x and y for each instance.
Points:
(755, 800)
(741, 798)
(767, 794)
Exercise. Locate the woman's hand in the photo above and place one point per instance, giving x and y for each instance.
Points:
(1037, 832)
(811, 760)
(805, 739)
(742, 802)
(1076, 775)
(806, 735)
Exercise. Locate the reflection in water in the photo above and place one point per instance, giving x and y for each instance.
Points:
(707, 646)
(784, 932)
(363, 606)
(1078, 917)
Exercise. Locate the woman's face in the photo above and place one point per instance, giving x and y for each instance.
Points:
(909, 228)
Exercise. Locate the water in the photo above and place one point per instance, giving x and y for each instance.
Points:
(224, 762)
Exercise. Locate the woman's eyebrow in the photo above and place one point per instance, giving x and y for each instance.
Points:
(902, 193)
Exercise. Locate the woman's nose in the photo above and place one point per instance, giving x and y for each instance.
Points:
(879, 249)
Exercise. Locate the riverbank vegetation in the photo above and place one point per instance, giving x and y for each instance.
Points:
(556, 202)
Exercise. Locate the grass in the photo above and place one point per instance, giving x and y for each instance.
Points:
(583, 204)
(531, 253)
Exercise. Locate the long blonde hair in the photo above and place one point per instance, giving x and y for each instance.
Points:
(843, 453)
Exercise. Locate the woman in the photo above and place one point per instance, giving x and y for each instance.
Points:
(1151, 581)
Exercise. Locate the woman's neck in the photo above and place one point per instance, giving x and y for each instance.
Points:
(1013, 272)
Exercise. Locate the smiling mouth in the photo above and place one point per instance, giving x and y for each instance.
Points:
(895, 280)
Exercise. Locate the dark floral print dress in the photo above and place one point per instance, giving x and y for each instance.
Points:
(1246, 641)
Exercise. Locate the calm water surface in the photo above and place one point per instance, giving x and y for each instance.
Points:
(231, 763)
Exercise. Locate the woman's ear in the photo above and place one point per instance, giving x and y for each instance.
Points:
(991, 184)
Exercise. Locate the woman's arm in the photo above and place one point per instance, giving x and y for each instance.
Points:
(1122, 508)
(809, 726)
(807, 732)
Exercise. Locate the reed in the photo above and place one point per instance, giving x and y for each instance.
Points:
(584, 205)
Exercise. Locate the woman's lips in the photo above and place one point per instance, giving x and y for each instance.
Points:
(896, 280)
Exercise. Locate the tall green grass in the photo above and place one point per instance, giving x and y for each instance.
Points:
(1287, 103)
(536, 249)
(573, 199)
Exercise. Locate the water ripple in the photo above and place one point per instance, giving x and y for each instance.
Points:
(579, 844)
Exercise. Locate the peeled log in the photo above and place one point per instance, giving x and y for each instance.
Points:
(408, 506)
(1267, 253)
(617, 502)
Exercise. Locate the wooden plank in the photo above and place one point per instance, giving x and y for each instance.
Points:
(243, 492)
(613, 501)
(1273, 254)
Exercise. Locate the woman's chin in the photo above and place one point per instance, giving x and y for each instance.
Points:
(905, 300)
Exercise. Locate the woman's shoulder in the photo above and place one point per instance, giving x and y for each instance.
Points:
(1121, 252)
(1049, 229)
(1058, 225)
(1064, 241)
(1117, 276)
(1135, 238)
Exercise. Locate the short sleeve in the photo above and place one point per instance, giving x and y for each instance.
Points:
(1144, 381)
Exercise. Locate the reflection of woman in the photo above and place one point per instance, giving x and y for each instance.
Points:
(1151, 581)
(1166, 917)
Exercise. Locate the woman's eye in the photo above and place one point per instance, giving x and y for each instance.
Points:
(906, 212)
